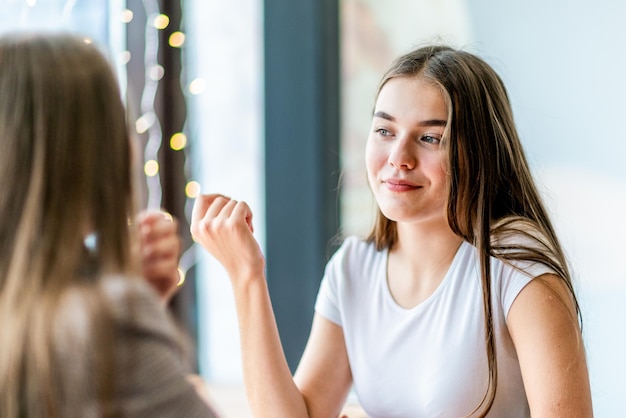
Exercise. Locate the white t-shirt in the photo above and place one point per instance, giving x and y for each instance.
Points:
(430, 360)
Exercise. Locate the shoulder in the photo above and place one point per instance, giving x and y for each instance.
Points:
(523, 246)
(144, 347)
(514, 264)
(520, 259)
(349, 275)
(115, 297)
(354, 259)
(119, 290)
(136, 306)
(127, 304)
(355, 250)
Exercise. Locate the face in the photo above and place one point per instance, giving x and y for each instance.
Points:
(404, 155)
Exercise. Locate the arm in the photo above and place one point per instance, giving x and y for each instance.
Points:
(543, 325)
(224, 227)
(160, 251)
(324, 376)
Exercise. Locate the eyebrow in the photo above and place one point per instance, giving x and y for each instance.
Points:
(429, 122)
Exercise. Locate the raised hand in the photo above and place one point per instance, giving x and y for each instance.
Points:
(160, 247)
(223, 226)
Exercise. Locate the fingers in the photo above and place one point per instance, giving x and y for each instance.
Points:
(213, 211)
(158, 233)
(156, 224)
(222, 207)
(160, 247)
(150, 217)
(242, 211)
(223, 226)
(200, 208)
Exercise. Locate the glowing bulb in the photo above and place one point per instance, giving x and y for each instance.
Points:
(177, 39)
(192, 189)
(87, 41)
(156, 72)
(178, 141)
(197, 86)
(145, 122)
(127, 16)
(151, 168)
(161, 21)
(125, 57)
(31, 3)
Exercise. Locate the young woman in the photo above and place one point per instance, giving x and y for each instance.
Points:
(81, 334)
(459, 302)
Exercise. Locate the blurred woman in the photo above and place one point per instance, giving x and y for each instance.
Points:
(82, 334)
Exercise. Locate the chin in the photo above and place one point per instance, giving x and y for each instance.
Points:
(414, 216)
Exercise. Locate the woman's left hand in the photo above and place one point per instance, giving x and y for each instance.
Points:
(160, 248)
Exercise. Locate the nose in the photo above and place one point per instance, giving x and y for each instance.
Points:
(403, 154)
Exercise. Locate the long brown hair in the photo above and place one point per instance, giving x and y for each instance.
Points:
(492, 196)
(65, 173)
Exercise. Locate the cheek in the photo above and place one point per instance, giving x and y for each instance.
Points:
(371, 165)
(374, 158)
(436, 167)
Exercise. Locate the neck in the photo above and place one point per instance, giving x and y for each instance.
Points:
(419, 261)
(425, 249)
(427, 239)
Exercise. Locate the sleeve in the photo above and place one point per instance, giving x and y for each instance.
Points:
(329, 300)
(514, 279)
(151, 364)
(515, 276)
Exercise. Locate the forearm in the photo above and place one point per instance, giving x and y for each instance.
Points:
(224, 227)
(269, 384)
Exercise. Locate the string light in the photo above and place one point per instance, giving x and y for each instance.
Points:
(124, 57)
(161, 21)
(176, 39)
(151, 168)
(197, 86)
(127, 16)
(178, 141)
(145, 121)
(156, 73)
(192, 189)
(149, 122)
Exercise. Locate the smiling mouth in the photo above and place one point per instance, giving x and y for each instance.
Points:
(400, 186)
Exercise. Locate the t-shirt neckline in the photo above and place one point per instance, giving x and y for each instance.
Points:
(429, 300)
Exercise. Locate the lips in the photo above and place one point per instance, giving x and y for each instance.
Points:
(400, 185)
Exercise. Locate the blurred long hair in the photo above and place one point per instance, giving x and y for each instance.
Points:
(65, 172)
(492, 201)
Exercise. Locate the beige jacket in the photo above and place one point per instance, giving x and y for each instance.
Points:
(149, 368)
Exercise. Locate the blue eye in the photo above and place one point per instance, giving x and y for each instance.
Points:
(431, 139)
(383, 132)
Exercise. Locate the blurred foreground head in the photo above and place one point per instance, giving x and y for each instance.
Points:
(65, 161)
